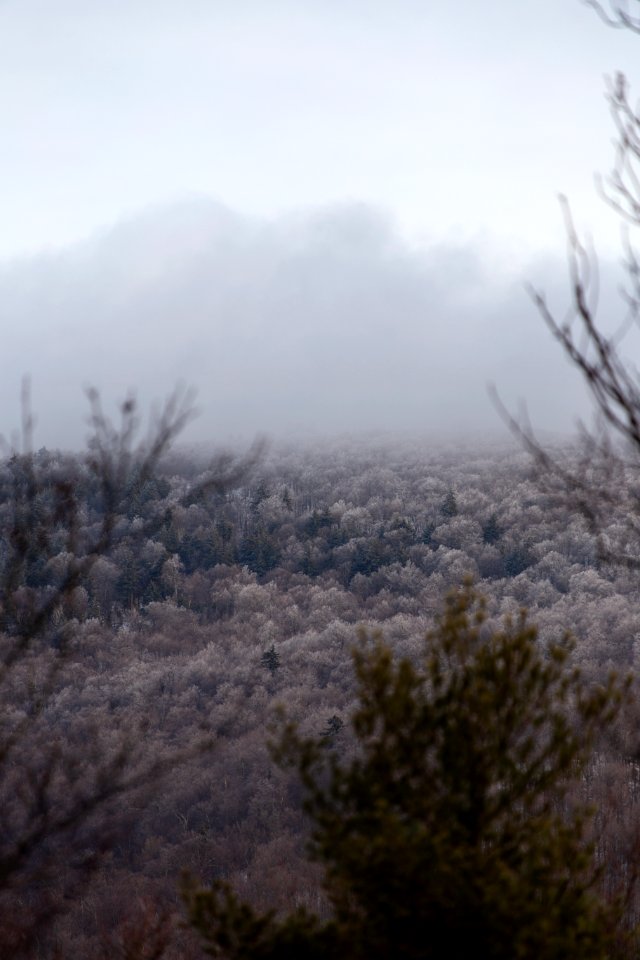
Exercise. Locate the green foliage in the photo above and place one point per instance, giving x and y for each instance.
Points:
(453, 829)
(518, 560)
(318, 520)
(491, 532)
(271, 659)
(230, 928)
(259, 551)
(332, 730)
(450, 505)
(368, 557)
(427, 534)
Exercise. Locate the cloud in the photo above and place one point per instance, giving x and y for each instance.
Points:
(322, 321)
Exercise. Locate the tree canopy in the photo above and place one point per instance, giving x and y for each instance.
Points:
(451, 826)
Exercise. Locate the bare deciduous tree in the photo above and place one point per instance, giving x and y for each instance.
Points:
(603, 482)
(618, 13)
(64, 785)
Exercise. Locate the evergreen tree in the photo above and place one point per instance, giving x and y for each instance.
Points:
(517, 560)
(491, 532)
(332, 730)
(450, 505)
(453, 830)
(270, 659)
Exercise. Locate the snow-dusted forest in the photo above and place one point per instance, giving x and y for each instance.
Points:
(370, 688)
(215, 608)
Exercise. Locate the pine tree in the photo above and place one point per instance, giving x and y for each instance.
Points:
(491, 532)
(450, 505)
(332, 730)
(453, 830)
(270, 659)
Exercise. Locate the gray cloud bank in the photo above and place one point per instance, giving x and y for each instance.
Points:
(322, 322)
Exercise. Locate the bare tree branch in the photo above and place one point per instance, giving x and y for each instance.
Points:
(617, 14)
(60, 790)
(601, 482)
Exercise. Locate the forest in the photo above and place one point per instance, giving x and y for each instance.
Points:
(354, 697)
(160, 666)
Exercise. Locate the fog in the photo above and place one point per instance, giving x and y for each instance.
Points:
(458, 117)
(387, 174)
(320, 323)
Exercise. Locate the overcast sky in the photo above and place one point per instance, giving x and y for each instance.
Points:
(328, 207)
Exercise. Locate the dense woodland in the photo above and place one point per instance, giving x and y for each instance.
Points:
(175, 627)
(214, 607)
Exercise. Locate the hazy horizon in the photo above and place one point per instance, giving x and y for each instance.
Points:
(322, 218)
(325, 323)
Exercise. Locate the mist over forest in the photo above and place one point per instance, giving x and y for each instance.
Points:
(319, 487)
(322, 322)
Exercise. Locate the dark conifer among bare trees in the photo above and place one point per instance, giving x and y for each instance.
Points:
(451, 831)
